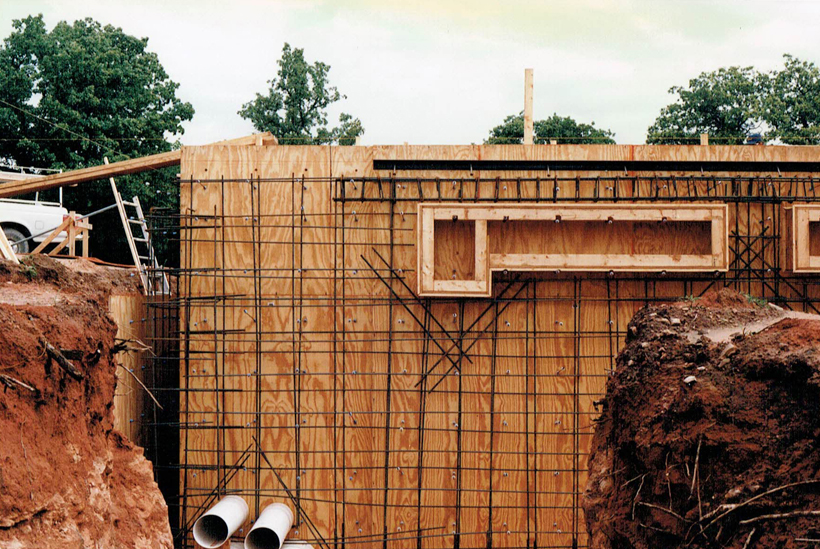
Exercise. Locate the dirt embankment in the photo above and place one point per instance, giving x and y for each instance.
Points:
(709, 432)
(67, 479)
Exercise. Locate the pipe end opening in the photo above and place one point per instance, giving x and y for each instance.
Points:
(262, 538)
(210, 531)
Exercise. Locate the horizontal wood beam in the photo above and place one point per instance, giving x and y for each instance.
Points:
(124, 167)
(136, 165)
(16, 176)
(580, 164)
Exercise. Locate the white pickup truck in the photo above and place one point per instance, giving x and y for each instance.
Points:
(22, 219)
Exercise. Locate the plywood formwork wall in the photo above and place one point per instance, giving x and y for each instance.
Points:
(420, 423)
(128, 311)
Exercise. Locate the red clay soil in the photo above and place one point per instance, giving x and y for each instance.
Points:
(709, 439)
(67, 479)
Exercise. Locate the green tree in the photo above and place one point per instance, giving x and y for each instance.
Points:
(790, 105)
(724, 103)
(83, 91)
(560, 128)
(294, 109)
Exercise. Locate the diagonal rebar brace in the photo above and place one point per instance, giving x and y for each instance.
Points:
(445, 354)
(478, 334)
(470, 327)
(422, 304)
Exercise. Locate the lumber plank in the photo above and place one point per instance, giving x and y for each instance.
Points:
(16, 176)
(54, 234)
(123, 167)
(570, 237)
(136, 165)
(6, 251)
(803, 217)
(528, 92)
(603, 262)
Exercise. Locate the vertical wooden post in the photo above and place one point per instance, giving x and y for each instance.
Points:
(704, 139)
(72, 234)
(528, 90)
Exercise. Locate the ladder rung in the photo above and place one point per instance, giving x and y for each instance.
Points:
(143, 257)
(135, 221)
(124, 203)
(140, 239)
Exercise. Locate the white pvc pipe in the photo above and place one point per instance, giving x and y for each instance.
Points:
(218, 524)
(296, 544)
(271, 528)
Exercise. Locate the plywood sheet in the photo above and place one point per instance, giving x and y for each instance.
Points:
(354, 385)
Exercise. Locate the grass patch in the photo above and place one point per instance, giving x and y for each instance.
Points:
(758, 301)
(28, 271)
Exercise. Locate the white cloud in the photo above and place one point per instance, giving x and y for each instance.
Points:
(446, 71)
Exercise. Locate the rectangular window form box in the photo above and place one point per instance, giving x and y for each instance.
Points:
(803, 244)
(459, 246)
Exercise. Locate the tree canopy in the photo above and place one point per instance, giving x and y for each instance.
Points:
(731, 103)
(791, 105)
(722, 103)
(82, 91)
(560, 128)
(294, 108)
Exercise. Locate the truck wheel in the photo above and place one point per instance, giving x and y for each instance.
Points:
(14, 235)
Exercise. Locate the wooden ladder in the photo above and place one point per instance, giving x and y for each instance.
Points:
(153, 279)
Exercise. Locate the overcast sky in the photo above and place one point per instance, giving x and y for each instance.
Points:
(446, 71)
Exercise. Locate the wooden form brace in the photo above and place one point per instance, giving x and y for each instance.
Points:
(592, 256)
(75, 228)
(6, 251)
(802, 260)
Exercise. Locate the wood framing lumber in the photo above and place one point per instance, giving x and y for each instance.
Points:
(54, 234)
(258, 139)
(575, 255)
(124, 167)
(528, 92)
(136, 165)
(6, 251)
(16, 176)
(802, 216)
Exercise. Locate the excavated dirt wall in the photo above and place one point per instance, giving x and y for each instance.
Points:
(709, 431)
(67, 478)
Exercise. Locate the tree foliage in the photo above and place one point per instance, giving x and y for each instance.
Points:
(791, 105)
(723, 103)
(294, 109)
(82, 91)
(560, 128)
(731, 103)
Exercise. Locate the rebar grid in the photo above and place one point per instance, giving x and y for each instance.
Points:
(508, 383)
